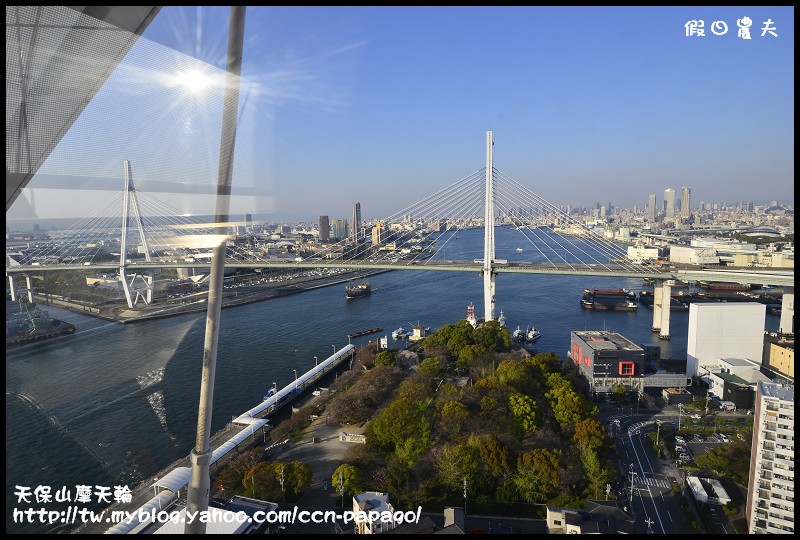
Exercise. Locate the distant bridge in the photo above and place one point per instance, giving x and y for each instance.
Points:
(416, 238)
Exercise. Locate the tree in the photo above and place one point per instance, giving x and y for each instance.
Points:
(537, 475)
(385, 358)
(523, 409)
(261, 482)
(350, 478)
(454, 414)
(515, 374)
(589, 433)
(596, 476)
(297, 477)
(620, 393)
(403, 427)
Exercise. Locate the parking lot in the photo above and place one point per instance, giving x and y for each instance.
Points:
(697, 445)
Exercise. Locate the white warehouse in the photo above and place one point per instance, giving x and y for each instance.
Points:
(693, 255)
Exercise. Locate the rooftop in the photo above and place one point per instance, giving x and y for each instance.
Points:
(603, 340)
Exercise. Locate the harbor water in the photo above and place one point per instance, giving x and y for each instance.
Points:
(114, 404)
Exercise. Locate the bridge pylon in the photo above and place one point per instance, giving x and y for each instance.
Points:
(130, 202)
(488, 243)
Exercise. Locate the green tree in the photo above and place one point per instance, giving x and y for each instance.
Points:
(523, 409)
(515, 374)
(348, 476)
(403, 426)
(385, 358)
(297, 477)
(471, 354)
(430, 365)
(595, 475)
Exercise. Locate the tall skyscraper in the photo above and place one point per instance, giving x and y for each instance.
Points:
(651, 208)
(324, 229)
(356, 221)
(669, 203)
(339, 229)
(685, 208)
(770, 492)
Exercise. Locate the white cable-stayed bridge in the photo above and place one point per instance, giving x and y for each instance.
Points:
(134, 234)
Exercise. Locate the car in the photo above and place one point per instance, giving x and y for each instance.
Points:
(699, 438)
(724, 437)
(680, 440)
(680, 448)
(696, 416)
(684, 457)
(317, 392)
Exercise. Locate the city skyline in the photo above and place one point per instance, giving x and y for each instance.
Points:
(388, 105)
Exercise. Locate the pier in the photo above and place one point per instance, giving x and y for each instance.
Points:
(247, 428)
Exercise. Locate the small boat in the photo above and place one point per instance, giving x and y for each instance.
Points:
(518, 334)
(400, 333)
(520, 250)
(532, 335)
(501, 319)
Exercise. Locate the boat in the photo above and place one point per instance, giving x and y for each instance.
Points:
(501, 319)
(400, 333)
(358, 291)
(365, 333)
(609, 300)
(520, 250)
(518, 334)
(532, 335)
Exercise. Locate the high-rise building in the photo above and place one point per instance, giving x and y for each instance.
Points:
(356, 221)
(723, 330)
(669, 203)
(651, 208)
(685, 208)
(770, 492)
(248, 222)
(378, 234)
(339, 229)
(324, 229)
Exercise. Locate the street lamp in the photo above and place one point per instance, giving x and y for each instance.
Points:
(315, 363)
(334, 349)
(295, 380)
(680, 410)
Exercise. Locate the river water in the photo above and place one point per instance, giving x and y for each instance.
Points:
(116, 403)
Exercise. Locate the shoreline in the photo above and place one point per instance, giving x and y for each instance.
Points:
(124, 315)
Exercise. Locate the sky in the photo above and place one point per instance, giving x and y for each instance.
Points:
(387, 105)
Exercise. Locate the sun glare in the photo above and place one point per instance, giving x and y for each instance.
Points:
(194, 80)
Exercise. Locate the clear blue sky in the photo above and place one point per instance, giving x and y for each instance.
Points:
(386, 105)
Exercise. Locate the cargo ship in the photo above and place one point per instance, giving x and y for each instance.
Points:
(609, 300)
(357, 291)
(28, 323)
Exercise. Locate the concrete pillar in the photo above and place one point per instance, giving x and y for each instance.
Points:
(29, 286)
(12, 287)
(666, 299)
(787, 311)
(656, 305)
